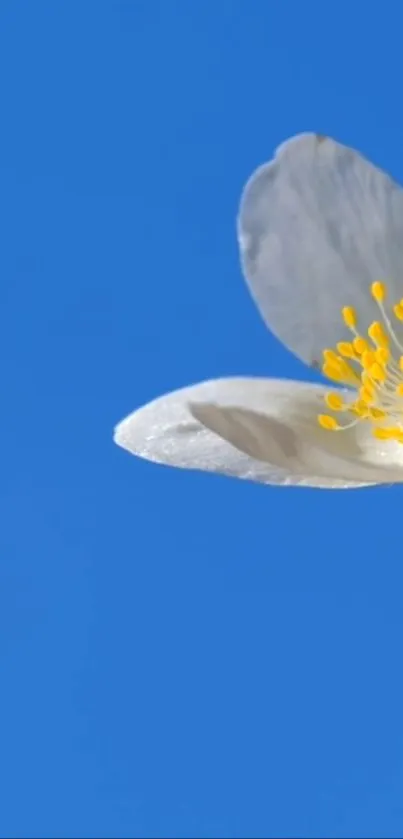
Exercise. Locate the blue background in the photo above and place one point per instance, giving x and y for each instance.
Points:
(181, 654)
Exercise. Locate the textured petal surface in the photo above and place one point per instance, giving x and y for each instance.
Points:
(261, 429)
(317, 225)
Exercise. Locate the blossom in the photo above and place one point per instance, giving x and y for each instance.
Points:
(320, 232)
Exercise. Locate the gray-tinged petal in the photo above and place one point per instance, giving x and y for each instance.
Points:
(260, 429)
(317, 225)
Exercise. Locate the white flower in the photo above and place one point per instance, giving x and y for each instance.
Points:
(321, 238)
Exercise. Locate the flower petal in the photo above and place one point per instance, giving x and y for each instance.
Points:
(260, 429)
(318, 225)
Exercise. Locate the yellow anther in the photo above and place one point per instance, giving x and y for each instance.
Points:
(389, 433)
(378, 335)
(377, 372)
(366, 395)
(381, 433)
(370, 366)
(368, 383)
(331, 357)
(337, 369)
(328, 422)
(332, 373)
(378, 291)
(368, 358)
(360, 409)
(348, 372)
(360, 345)
(382, 355)
(346, 349)
(376, 413)
(334, 402)
(349, 316)
(398, 311)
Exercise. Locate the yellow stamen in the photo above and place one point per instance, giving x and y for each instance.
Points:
(366, 395)
(378, 291)
(381, 433)
(389, 433)
(398, 311)
(332, 373)
(349, 316)
(368, 383)
(345, 349)
(373, 368)
(382, 355)
(377, 372)
(360, 345)
(330, 356)
(378, 335)
(328, 422)
(360, 409)
(337, 369)
(334, 402)
(349, 373)
(376, 413)
(368, 358)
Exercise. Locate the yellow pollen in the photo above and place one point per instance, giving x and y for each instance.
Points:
(330, 356)
(376, 413)
(378, 335)
(360, 345)
(349, 373)
(378, 291)
(332, 373)
(368, 383)
(334, 402)
(382, 355)
(366, 395)
(381, 433)
(377, 372)
(372, 368)
(398, 311)
(328, 422)
(337, 369)
(368, 358)
(389, 433)
(349, 316)
(346, 349)
(360, 409)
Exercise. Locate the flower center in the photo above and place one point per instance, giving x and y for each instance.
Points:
(373, 365)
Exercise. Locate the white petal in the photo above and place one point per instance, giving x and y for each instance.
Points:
(260, 429)
(317, 225)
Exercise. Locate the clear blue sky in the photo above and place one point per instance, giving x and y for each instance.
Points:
(181, 654)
